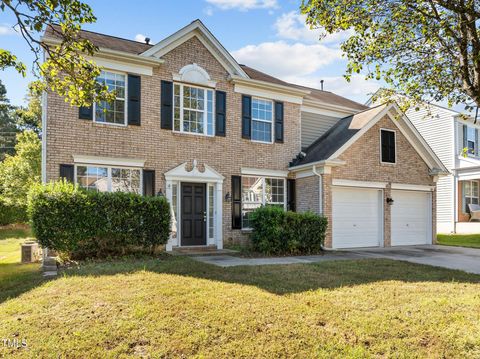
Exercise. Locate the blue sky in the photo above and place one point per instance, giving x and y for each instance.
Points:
(269, 35)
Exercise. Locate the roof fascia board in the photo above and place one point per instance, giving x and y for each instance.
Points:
(322, 163)
(269, 86)
(318, 110)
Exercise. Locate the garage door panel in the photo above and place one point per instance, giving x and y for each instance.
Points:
(411, 219)
(356, 217)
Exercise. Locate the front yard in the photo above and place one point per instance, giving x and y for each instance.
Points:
(177, 307)
(459, 240)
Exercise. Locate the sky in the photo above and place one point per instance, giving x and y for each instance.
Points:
(269, 35)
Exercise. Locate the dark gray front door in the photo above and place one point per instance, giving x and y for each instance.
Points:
(193, 214)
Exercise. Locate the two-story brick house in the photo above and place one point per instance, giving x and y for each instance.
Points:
(220, 139)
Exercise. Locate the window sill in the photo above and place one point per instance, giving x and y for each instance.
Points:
(246, 230)
(388, 164)
(189, 134)
(112, 125)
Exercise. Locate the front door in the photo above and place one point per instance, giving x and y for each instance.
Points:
(194, 215)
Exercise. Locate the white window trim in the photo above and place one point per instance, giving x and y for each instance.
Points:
(210, 220)
(395, 144)
(205, 110)
(260, 120)
(94, 106)
(109, 173)
(475, 143)
(264, 202)
(471, 196)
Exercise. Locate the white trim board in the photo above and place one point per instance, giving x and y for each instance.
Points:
(270, 93)
(109, 64)
(412, 187)
(353, 183)
(108, 161)
(263, 172)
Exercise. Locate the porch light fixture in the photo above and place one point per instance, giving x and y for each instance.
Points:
(228, 197)
(160, 193)
(390, 201)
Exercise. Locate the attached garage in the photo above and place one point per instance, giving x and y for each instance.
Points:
(357, 217)
(411, 218)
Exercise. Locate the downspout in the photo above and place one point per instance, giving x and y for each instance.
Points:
(320, 189)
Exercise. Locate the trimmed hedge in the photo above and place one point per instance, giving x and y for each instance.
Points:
(84, 224)
(10, 213)
(278, 232)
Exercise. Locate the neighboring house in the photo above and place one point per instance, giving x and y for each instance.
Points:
(220, 139)
(448, 133)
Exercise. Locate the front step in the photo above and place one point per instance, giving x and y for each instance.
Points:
(200, 251)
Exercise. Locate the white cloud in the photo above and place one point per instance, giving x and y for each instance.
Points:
(208, 11)
(292, 26)
(6, 29)
(243, 5)
(282, 59)
(140, 37)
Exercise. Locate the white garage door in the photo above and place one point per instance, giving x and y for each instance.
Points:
(411, 219)
(357, 217)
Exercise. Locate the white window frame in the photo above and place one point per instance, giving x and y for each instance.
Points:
(109, 174)
(394, 143)
(264, 202)
(94, 106)
(205, 110)
(261, 120)
(471, 196)
(211, 219)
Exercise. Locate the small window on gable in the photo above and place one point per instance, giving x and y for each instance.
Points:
(387, 146)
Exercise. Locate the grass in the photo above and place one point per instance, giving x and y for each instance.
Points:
(177, 307)
(15, 278)
(459, 240)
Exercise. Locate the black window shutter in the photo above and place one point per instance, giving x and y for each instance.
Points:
(220, 113)
(246, 116)
(134, 84)
(291, 195)
(388, 146)
(85, 113)
(279, 122)
(167, 108)
(67, 172)
(148, 182)
(236, 202)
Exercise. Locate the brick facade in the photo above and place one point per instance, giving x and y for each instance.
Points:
(362, 163)
(163, 149)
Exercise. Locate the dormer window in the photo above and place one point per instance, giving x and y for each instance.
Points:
(387, 146)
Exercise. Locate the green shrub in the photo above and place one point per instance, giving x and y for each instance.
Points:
(84, 224)
(278, 232)
(12, 213)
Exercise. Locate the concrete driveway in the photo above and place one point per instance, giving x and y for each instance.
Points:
(466, 259)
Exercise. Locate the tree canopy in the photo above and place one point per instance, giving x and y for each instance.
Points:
(65, 68)
(426, 50)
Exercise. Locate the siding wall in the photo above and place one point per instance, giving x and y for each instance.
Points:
(314, 125)
(437, 128)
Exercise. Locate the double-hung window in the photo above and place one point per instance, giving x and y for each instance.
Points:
(471, 140)
(470, 194)
(261, 191)
(262, 120)
(112, 112)
(193, 110)
(109, 179)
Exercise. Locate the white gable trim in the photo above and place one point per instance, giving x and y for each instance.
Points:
(180, 173)
(263, 172)
(197, 28)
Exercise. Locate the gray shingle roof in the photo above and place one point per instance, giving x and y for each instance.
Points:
(339, 134)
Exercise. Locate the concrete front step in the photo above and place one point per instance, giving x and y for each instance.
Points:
(200, 251)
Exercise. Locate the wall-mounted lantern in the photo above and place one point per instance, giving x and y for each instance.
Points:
(389, 201)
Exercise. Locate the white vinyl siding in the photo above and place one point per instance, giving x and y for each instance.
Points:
(438, 129)
(314, 125)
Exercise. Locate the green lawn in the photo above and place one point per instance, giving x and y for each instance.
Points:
(177, 307)
(461, 240)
